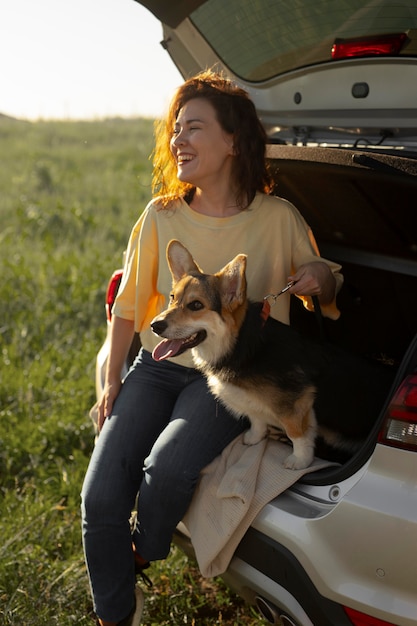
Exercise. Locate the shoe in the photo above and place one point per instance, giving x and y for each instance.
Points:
(134, 618)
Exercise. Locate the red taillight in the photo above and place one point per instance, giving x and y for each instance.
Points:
(361, 619)
(400, 422)
(368, 46)
(112, 289)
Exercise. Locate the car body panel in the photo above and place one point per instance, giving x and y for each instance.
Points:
(358, 536)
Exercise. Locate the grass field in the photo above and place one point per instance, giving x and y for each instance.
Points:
(70, 192)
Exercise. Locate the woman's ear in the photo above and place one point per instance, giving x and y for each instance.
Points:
(230, 141)
(233, 147)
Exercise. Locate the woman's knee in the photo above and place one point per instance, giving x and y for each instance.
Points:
(107, 502)
(94, 503)
(169, 469)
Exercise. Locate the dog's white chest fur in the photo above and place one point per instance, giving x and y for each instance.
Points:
(239, 401)
(243, 402)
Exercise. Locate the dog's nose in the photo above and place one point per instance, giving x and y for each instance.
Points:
(158, 326)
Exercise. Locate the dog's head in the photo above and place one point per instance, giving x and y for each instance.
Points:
(205, 310)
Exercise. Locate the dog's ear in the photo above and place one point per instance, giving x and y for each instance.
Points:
(233, 282)
(180, 260)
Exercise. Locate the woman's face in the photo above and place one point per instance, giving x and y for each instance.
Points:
(202, 150)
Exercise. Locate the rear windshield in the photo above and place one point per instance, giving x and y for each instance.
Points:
(259, 39)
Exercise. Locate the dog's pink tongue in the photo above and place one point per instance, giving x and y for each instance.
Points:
(166, 349)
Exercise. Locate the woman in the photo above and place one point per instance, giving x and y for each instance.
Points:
(161, 427)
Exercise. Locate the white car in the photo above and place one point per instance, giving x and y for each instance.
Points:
(335, 84)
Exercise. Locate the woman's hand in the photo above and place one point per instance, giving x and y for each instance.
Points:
(105, 405)
(314, 279)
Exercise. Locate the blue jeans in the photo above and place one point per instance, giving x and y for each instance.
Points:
(165, 428)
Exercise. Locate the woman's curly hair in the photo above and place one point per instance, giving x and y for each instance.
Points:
(237, 115)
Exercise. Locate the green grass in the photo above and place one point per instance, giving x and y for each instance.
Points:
(70, 192)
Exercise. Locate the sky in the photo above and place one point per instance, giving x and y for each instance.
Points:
(82, 59)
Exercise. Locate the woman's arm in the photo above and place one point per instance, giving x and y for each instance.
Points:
(121, 336)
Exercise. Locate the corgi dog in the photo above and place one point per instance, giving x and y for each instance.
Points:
(262, 368)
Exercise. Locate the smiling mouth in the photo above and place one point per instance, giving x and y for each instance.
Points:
(168, 348)
(184, 159)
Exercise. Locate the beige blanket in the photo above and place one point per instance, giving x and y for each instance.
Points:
(231, 492)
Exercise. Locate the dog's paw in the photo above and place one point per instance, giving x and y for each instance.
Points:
(250, 440)
(294, 462)
(253, 436)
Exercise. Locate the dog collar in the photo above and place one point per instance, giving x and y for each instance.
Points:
(266, 309)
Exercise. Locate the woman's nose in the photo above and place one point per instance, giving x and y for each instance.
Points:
(178, 139)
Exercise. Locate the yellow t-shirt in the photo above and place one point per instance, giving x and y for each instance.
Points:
(271, 232)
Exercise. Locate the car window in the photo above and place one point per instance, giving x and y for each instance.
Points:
(259, 39)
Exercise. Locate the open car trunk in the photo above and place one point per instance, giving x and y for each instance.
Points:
(361, 205)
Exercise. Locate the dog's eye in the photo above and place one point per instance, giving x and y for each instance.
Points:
(171, 298)
(195, 305)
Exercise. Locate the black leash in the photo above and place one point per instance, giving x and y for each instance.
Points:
(316, 305)
(319, 316)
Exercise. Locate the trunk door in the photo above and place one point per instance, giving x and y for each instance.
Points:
(318, 71)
